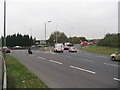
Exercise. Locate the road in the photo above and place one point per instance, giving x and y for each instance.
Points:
(71, 70)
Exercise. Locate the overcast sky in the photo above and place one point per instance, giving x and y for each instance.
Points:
(87, 18)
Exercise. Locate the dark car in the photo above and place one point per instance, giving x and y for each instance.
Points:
(7, 50)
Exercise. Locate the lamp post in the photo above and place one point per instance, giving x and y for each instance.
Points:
(46, 28)
(4, 44)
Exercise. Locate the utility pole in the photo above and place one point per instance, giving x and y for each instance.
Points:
(4, 23)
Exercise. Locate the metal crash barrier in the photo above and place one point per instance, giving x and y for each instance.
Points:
(4, 76)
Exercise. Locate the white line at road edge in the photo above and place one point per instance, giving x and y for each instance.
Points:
(116, 79)
(83, 69)
(41, 57)
(55, 62)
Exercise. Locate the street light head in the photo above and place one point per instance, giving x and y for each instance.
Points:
(49, 21)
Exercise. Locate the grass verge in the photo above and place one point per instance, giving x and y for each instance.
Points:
(100, 49)
(18, 76)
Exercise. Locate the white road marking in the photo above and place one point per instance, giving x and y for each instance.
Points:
(88, 54)
(23, 53)
(73, 53)
(41, 58)
(87, 60)
(55, 62)
(85, 70)
(46, 52)
(111, 64)
(116, 79)
(100, 56)
(31, 55)
(51, 52)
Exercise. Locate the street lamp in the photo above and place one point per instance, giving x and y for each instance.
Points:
(4, 44)
(45, 29)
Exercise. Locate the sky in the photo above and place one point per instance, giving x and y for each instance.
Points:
(84, 18)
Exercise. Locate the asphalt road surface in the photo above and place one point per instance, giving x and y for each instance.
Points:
(71, 70)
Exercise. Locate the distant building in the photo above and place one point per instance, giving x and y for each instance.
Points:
(38, 42)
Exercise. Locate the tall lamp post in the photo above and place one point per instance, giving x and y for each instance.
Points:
(4, 44)
(46, 28)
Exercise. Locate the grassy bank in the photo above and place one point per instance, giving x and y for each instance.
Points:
(18, 76)
(100, 49)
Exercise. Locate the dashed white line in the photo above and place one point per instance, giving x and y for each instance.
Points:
(55, 62)
(116, 79)
(23, 53)
(46, 52)
(111, 64)
(88, 54)
(88, 60)
(31, 55)
(85, 70)
(100, 56)
(41, 58)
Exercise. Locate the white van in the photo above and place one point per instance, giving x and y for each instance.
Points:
(59, 47)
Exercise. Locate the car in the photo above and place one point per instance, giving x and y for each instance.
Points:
(58, 47)
(115, 56)
(6, 50)
(68, 45)
(72, 49)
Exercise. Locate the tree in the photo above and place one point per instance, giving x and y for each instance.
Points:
(60, 36)
(19, 40)
(111, 40)
(76, 39)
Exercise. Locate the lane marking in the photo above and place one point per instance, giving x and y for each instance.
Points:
(116, 79)
(41, 58)
(55, 62)
(51, 52)
(46, 52)
(23, 53)
(31, 55)
(100, 56)
(85, 70)
(87, 60)
(88, 54)
(111, 65)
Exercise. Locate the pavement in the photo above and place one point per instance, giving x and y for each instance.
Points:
(0, 71)
(71, 70)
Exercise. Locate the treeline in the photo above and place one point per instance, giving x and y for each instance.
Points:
(111, 40)
(19, 40)
(60, 37)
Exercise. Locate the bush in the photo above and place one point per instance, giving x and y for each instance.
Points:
(111, 40)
